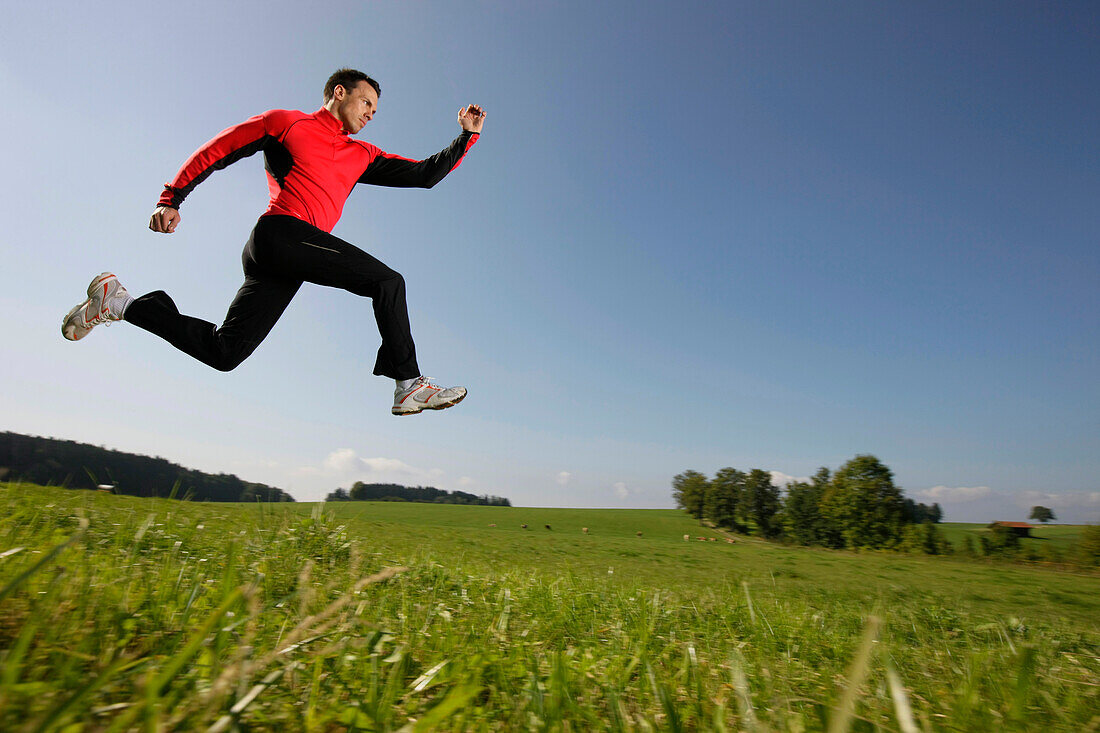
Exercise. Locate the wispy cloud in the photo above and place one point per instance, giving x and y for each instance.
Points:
(563, 478)
(1064, 500)
(957, 495)
(621, 490)
(983, 504)
(346, 464)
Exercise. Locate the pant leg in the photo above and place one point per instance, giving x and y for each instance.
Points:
(259, 303)
(295, 249)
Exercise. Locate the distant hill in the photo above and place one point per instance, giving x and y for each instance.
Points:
(48, 461)
(422, 494)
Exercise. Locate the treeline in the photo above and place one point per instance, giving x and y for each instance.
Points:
(47, 461)
(423, 494)
(858, 506)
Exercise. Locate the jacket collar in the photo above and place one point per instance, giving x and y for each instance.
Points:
(329, 121)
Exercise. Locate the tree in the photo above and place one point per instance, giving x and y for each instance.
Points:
(763, 501)
(338, 495)
(915, 513)
(924, 538)
(48, 461)
(801, 516)
(725, 499)
(1041, 514)
(863, 505)
(828, 531)
(422, 494)
(689, 489)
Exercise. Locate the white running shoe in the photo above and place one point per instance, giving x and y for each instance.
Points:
(106, 301)
(425, 395)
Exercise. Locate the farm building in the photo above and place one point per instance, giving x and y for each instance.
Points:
(1020, 529)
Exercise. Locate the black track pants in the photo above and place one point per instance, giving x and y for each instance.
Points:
(282, 253)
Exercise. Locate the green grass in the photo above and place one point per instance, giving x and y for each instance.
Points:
(1047, 541)
(160, 615)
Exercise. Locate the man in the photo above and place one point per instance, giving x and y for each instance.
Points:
(312, 165)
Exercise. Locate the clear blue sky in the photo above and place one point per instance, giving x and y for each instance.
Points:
(694, 235)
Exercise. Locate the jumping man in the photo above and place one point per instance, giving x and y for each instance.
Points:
(312, 164)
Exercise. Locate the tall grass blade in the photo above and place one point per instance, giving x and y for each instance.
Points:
(86, 689)
(748, 600)
(425, 679)
(241, 705)
(741, 687)
(456, 699)
(857, 674)
(901, 699)
(12, 667)
(1024, 679)
(175, 664)
(42, 562)
(668, 704)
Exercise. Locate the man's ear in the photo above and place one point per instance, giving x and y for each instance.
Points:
(338, 92)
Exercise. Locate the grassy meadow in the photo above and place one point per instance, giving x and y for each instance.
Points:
(119, 613)
(1060, 538)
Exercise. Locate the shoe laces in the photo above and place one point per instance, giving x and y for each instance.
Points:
(417, 384)
(101, 318)
(430, 382)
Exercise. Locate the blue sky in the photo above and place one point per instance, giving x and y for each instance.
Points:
(694, 235)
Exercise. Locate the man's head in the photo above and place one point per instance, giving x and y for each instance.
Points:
(352, 97)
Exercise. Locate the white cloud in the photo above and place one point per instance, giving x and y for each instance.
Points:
(782, 479)
(983, 504)
(957, 494)
(620, 490)
(1090, 499)
(345, 464)
(563, 478)
(343, 460)
(466, 482)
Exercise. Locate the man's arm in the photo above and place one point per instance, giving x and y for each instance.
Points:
(398, 172)
(226, 148)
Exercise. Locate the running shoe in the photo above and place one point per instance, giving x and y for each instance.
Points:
(106, 301)
(425, 395)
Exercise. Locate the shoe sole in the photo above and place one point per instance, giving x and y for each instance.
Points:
(437, 407)
(93, 290)
(79, 331)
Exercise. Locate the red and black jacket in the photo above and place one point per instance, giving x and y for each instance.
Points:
(312, 163)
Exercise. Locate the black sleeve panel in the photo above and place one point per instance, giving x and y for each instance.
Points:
(397, 172)
(179, 194)
(226, 148)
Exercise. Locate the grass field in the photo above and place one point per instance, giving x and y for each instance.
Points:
(119, 613)
(1061, 537)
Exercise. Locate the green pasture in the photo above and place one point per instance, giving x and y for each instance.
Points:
(1062, 537)
(119, 613)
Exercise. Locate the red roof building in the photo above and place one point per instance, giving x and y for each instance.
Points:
(1020, 529)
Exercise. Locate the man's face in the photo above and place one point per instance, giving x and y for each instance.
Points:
(357, 106)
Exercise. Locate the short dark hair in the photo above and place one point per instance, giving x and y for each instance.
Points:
(348, 79)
